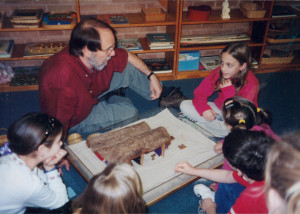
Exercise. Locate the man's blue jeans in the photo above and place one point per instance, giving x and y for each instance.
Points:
(116, 108)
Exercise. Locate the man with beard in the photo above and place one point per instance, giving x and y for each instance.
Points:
(74, 82)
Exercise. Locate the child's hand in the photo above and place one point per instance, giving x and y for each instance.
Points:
(65, 163)
(52, 161)
(210, 114)
(183, 167)
(218, 147)
(226, 82)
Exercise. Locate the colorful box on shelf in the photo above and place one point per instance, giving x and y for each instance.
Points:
(188, 60)
(199, 13)
(154, 14)
(57, 20)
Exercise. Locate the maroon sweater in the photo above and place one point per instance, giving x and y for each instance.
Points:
(68, 90)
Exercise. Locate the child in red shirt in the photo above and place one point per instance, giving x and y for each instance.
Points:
(245, 151)
(232, 78)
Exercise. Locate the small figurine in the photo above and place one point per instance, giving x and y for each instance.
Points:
(225, 10)
(182, 146)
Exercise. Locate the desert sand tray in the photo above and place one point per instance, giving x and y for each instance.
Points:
(157, 174)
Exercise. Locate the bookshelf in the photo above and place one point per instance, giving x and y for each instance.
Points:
(176, 24)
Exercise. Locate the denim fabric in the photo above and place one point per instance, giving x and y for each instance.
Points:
(226, 195)
(216, 128)
(115, 108)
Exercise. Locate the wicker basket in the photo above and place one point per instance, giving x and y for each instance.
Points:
(3, 137)
(154, 14)
(252, 10)
(277, 60)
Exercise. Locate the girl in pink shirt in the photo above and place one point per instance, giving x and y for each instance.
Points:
(232, 78)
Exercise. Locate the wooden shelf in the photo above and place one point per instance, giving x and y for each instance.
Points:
(7, 26)
(8, 88)
(215, 17)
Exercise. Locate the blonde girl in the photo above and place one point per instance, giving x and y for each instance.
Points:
(115, 190)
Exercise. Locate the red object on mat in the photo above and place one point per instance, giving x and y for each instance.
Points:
(199, 13)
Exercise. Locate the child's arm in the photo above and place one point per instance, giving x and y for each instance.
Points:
(216, 175)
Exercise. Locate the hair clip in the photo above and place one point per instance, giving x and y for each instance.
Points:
(50, 126)
(258, 109)
(242, 121)
(229, 105)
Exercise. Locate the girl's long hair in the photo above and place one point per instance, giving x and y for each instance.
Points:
(241, 52)
(115, 190)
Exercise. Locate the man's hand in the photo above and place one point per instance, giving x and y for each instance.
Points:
(155, 87)
(209, 114)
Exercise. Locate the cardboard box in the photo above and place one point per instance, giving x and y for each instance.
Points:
(188, 60)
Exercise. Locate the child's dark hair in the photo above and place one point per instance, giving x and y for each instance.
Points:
(247, 151)
(241, 113)
(241, 52)
(27, 133)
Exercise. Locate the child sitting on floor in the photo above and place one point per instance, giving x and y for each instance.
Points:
(245, 151)
(117, 189)
(232, 78)
(283, 175)
(242, 114)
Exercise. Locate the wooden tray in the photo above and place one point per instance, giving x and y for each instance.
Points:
(270, 40)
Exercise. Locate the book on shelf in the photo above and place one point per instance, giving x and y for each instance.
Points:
(210, 62)
(113, 18)
(25, 76)
(158, 65)
(207, 39)
(282, 11)
(43, 48)
(62, 18)
(6, 47)
(159, 39)
(130, 44)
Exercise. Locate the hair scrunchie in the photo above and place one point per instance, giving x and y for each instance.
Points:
(242, 121)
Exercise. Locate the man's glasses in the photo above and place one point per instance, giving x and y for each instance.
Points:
(109, 50)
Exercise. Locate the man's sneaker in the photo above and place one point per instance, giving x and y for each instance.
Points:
(204, 192)
(173, 99)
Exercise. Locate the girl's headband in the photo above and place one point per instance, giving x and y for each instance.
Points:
(242, 121)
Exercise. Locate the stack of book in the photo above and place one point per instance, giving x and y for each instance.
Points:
(159, 41)
(113, 18)
(25, 76)
(6, 47)
(158, 65)
(210, 62)
(130, 44)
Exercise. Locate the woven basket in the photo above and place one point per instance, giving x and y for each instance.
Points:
(252, 10)
(277, 60)
(154, 14)
(3, 137)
